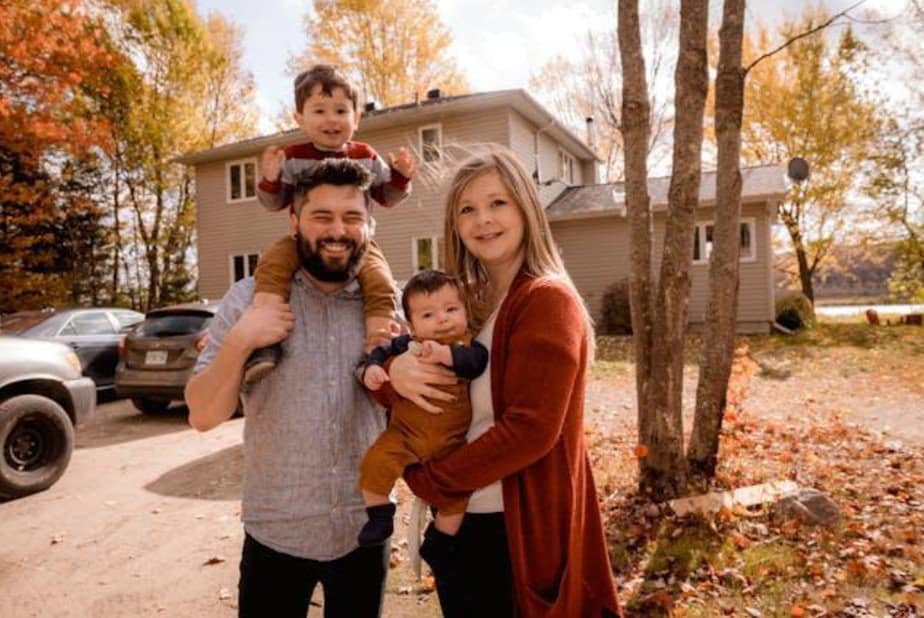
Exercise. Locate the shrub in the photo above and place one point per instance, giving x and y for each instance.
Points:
(794, 310)
(615, 313)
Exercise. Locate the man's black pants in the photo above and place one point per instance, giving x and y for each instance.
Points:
(280, 585)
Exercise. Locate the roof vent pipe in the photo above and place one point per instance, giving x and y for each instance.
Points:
(590, 138)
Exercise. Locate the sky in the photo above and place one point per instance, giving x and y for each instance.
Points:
(497, 43)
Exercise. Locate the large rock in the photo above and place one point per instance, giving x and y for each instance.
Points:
(809, 506)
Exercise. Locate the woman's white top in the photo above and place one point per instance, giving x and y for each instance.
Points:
(488, 499)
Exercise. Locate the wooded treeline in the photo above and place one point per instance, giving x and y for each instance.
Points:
(96, 100)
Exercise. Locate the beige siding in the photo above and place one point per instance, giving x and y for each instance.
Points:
(225, 229)
(422, 213)
(753, 305)
(523, 139)
(595, 252)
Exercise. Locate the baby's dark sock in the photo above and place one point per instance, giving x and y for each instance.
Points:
(380, 525)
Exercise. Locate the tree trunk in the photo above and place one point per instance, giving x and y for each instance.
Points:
(664, 469)
(805, 273)
(116, 231)
(722, 308)
(635, 127)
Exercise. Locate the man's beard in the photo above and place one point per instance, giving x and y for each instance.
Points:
(339, 272)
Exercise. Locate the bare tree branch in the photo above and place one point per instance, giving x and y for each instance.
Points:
(818, 28)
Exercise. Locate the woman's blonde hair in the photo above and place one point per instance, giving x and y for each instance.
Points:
(541, 255)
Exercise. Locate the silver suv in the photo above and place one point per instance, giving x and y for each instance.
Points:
(42, 397)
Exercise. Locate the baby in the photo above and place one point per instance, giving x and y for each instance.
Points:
(434, 307)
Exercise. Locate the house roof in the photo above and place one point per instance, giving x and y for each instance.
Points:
(428, 110)
(763, 183)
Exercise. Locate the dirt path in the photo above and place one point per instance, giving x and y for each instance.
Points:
(128, 530)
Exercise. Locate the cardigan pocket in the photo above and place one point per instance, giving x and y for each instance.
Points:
(546, 599)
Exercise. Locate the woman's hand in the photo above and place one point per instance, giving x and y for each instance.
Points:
(416, 380)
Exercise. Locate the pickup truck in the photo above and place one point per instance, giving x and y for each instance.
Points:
(43, 396)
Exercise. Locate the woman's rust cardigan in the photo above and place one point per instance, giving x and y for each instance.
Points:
(560, 561)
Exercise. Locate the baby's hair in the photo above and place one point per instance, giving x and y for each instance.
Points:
(328, 78)
(427, 282)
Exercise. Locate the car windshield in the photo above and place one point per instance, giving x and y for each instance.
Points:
(169, 325)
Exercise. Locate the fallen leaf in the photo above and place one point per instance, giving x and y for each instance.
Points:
(741, 541)
(797, 612)
(214, 560)
(641, 451)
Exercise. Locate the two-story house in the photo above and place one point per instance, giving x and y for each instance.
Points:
(587, 218)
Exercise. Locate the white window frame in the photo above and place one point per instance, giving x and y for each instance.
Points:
(247, 272)
(434, 249)
(751, 222)
(439, 146)
(256, 180)
(565, 158)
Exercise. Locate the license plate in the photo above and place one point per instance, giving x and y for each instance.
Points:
(155, 357)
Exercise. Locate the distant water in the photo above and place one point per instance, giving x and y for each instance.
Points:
(847, 310)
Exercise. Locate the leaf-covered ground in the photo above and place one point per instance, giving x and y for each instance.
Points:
(840, 409)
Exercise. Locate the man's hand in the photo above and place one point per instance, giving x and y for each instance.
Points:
(374, 377)
(261, 326)
(380, 331)
(404, 162)
(271, 163)
(417, 380)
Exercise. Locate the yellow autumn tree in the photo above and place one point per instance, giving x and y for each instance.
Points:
(808, 102)
(393, 51)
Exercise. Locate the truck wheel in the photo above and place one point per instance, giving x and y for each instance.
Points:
(150, 406)
(38, 439)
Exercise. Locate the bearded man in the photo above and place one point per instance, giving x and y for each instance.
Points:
(308, 422)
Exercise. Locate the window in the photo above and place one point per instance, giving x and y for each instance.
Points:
(127, 318)
(566, 164)
(431, 143)
(173, 324)
(425, 252)
(703, 239)
(96, 323)
(242, 180)
(243, 265)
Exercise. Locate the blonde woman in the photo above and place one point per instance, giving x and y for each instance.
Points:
(531, 543)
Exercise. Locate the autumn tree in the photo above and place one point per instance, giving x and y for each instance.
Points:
(659, 308)
(722, 305)
(393, 51)
(807, 101)
(54, 59)
(895, 184)
(590, 87)
(189, 94)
